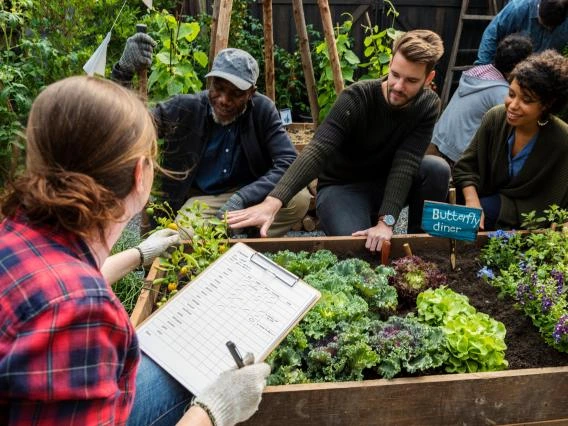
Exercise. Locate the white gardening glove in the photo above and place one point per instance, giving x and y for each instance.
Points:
(236, 394)
(157, 243)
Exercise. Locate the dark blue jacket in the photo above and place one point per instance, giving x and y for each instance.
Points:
(185, 125)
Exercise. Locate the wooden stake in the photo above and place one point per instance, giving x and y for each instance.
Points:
(385, 252)
(221, 35)
(214, 23)
(300, 20)
(268, 49)
(142, 73)
(453, 260)
(331, 46)
(407, 249)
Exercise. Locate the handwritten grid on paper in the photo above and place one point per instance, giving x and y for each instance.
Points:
(234, 299)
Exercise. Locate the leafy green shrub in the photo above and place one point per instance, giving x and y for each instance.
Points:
(179, 63)
(348, 62)
(475, 342)
(378, 46)
(42, 42)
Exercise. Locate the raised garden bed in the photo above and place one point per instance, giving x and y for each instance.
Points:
(300, 134)
(526, 393)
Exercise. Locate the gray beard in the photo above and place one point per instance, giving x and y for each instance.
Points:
(226, 122)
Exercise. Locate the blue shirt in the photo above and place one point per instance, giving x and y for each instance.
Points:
(517, 162)
(520, 16)
(223, 166)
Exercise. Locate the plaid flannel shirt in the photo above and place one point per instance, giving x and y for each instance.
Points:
(68, 352)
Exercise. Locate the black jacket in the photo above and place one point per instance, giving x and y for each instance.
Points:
(185, 125)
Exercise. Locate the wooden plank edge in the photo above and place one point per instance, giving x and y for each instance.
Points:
(506, 397)
(147, 297)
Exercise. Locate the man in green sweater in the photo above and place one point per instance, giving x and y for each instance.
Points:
(368, 154)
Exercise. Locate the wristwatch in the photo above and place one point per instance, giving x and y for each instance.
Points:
(387, 219)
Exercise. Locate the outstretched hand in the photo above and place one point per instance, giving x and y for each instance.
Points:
(157, 243)
(375, 236)
(261, 215)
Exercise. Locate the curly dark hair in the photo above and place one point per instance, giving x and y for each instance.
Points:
(552, 12)
(544, 75)
(510, 51)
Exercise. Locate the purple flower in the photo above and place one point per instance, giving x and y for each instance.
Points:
(546, 304)
(561, 328)
(500, 234)
(486, 272)
(559, 277)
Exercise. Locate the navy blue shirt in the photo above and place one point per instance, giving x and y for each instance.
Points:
(224, 165)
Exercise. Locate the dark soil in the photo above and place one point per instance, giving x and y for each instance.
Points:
(525, 346)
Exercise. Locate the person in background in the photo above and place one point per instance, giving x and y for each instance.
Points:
(517, 161)
(229, 138)
(368, 154)
(543, 21)
(68, 351)
(480, 89)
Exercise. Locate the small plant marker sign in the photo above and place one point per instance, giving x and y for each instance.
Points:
(451, 221)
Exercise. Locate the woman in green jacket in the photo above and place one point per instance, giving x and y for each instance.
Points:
(517, 161)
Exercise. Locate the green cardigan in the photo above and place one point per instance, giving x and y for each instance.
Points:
(542, 181)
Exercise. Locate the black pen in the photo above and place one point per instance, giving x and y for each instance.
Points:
(235, 354)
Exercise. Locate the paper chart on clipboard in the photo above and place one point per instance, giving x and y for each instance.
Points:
(243, 297)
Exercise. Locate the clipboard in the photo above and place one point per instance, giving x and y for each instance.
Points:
(244, 297)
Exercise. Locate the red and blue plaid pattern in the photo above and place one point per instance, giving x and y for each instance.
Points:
(68, 352)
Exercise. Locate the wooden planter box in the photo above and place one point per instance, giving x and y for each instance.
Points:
(513, 397)
(300, 128)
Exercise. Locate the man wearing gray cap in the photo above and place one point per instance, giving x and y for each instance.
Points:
(229, 138)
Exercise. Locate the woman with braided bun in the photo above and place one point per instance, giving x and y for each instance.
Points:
(517, 161)
(68, 352)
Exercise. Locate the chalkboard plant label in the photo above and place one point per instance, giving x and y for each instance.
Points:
(451, 221)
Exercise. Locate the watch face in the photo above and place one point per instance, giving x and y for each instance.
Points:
(389, 220)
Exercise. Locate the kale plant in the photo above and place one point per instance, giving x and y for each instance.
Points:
(303, 263)
(405, 344)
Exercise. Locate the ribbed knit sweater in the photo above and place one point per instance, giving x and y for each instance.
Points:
(541, 182)
(364, 139)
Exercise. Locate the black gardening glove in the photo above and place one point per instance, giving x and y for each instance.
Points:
(137, 53)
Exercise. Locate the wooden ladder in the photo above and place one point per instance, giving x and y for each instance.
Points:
(464, 16)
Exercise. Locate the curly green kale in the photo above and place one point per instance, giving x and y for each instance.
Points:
(303, 263)
(372, 285)
(405, 344)
(342, 355)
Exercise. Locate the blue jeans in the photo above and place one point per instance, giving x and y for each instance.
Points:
(160, 400)
(344, 209)
(491, 206)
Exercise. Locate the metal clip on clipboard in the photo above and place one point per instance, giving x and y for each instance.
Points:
(273, 268)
